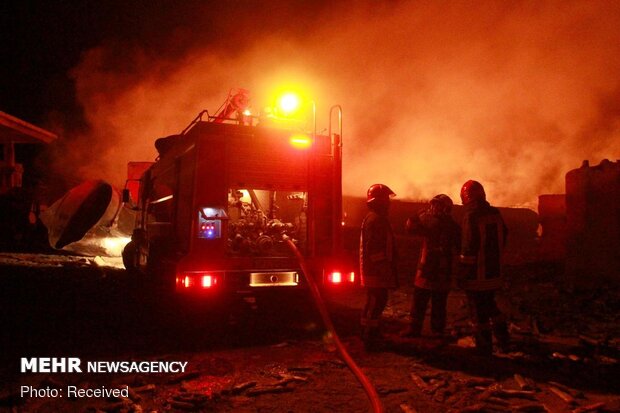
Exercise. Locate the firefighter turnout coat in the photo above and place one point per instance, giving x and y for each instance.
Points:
(441, 242)
(483, 238)
(377, 252)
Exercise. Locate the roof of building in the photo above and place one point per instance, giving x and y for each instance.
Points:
(16, 130)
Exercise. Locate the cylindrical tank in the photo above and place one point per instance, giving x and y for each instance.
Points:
(593, 223)
(552, 218)
(84, 207)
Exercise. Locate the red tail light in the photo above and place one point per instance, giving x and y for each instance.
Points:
(196, 280)
(208, 281)
(335, 277)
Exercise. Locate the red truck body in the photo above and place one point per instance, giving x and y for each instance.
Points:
(216, 209)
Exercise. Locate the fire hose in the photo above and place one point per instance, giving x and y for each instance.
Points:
(316, 295)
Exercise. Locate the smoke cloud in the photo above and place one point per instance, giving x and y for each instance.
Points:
(513, 94)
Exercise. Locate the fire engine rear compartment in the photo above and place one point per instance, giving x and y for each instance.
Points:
(220, 201)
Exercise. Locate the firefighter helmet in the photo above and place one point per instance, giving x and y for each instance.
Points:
(379, 192)
(442, 204)
(472, 191)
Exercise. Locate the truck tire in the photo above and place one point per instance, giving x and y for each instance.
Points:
(129, 257)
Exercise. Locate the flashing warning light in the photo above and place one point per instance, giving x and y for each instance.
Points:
(301, 141)
(208, 229)
(187, 281)
(351, 277)
(210, 222)
(335, 277)
(289, 103)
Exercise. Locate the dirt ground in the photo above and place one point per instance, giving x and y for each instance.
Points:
(276, 357)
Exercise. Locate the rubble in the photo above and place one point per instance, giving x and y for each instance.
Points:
(562, 387)
(406, 409)
(435, 385)
(532, 407)
(289, 378)
(133, 395)
(520, 394)
(384, 390)
(117, 407)
(188, 407)
(564, 396)
(44, 260)
(479, 382)
(240, 388)
(146, 388)
(475, 408)
(190, 401)
(496, 400)
(300, 368)
(524, 384)
(418, 381)
(266, 389)
(589, 408)
(183, 377)
(449, 378)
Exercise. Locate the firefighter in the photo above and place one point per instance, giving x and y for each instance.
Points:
(442, 239)
(377, 261)
(483, 238)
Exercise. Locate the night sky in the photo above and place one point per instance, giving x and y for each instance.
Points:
(43, 40)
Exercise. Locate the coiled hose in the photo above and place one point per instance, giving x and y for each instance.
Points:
(361, 377)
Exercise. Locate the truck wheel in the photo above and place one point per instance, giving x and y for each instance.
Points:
(129, 257)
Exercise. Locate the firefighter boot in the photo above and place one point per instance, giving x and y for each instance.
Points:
(365, 328)
(484, 341)
(418, 311)
(363, 323)
(500, 331)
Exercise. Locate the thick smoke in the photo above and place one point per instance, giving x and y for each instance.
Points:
(513, 94)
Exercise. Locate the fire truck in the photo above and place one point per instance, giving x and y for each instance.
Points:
(216, 209)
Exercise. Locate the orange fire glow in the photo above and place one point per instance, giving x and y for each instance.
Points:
(434, 93)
